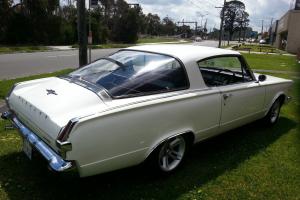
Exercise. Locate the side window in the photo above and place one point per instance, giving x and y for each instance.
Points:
(222, 71)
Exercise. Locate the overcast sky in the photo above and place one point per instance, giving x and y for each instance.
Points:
(191, 10)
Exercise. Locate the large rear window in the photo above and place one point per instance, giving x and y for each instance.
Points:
(128, 73)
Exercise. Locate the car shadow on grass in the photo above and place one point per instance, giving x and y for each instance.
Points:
(23, 179)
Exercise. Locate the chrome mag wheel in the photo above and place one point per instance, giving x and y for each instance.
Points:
(171, 153)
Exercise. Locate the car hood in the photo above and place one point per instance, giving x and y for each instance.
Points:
(46, 105)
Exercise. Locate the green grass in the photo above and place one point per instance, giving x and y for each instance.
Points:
(260, 48)
(157, 40)
(226, 46)
(272, 62)
(5, 85)
(106, 46)
(18, 49)
(251, 162)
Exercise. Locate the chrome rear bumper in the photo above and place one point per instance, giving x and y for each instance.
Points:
(55, 161)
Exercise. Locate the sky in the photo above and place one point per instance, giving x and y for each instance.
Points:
(200, 10)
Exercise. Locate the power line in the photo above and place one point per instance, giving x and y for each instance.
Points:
(193, 3)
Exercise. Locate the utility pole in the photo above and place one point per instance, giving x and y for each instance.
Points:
(90, 37)
(205, 30)
(262, 28)
(221, 25)
(82, 39)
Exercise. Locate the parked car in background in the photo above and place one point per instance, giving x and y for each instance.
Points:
(198, 39)
(144, 103)
(262, 41)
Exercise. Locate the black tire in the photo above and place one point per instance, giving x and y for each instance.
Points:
(170, 155)
(273, 115)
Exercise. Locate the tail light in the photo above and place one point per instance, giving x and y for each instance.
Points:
(64, 134)
(9, 93)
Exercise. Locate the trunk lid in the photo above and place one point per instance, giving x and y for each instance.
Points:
(46, 105)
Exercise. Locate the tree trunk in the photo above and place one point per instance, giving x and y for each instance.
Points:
(228, 38)
(244, 36)
(230, 34)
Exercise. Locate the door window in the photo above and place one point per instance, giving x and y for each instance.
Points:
(226, 70)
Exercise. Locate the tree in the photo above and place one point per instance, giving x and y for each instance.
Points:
(129, 27)
(45, 22)
(234, 11)
(185, 31)
(5, 13)
(243, 22)
(153, 24)
(69, 24)
(168, 26)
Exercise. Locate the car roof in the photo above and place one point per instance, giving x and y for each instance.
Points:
(185, 53)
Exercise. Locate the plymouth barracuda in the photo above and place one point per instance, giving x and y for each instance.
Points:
(141, 103)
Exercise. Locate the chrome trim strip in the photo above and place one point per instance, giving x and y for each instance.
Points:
(99, 91)
(157, 98)
(55, 161)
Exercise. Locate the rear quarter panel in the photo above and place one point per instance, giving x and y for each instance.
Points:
(125, 136)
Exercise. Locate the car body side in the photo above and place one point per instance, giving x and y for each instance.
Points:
(128, 131)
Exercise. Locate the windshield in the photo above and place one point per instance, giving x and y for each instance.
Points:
(132, 72)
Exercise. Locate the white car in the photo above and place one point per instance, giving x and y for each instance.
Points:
(141, 103)
(262, 41)
(198, 39)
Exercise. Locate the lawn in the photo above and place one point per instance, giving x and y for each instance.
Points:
(157, 39)
(258, 48)
(251, 162)
(272, 62)
(29, 49)
(106, 46)
(20, 49)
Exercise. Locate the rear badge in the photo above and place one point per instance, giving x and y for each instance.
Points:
(51, 92)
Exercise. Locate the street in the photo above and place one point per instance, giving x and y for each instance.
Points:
(26, 64)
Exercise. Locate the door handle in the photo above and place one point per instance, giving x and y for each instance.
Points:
(226, 96)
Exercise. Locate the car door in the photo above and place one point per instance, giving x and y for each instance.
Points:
(242, 97)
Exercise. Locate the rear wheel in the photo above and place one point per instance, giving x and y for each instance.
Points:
(170, 154)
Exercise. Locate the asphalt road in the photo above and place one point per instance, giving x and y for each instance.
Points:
(25, 64)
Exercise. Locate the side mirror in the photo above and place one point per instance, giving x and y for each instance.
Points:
(262, 78)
